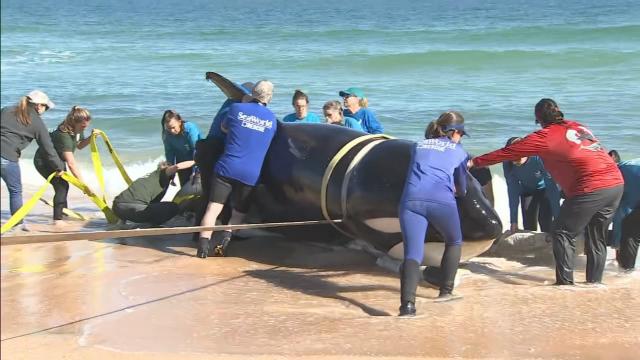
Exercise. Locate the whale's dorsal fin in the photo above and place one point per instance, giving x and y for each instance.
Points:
(229, 88)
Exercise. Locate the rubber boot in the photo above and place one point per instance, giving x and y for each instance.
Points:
(203, 248)
(221, 241)
(449, 267)
(409, 278)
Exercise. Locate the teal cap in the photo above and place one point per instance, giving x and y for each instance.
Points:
(352, 91)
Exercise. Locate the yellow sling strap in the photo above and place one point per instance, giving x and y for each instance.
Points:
(97, 162)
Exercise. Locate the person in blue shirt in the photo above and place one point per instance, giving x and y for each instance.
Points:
(179, 138)
(333, 114)
(250, 127)
(530, 186)
(437, 173)
(300, 102)
(626, 220)
(356, 106)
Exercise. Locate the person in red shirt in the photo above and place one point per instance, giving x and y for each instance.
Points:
(590, 179)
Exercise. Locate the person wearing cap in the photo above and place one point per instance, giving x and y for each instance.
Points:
(436, 175)
(250, 127)
(300, 102)
(179, 138)
(66, 138)
(589, 178)
(19, 126)
(356, 106)
(530, 186)
(626, 221)
(334, 114)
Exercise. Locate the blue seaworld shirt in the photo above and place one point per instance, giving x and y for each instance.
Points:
(438, 167)
(180, 147)
(250, 129)
(215, 131)
(630, 170)
(310, 118)
(525, 180)
(367, 119)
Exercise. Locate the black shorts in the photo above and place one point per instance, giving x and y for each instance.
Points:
(222, 187)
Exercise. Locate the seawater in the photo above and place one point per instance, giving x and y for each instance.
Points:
(128, 61)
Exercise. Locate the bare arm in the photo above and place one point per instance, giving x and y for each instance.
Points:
(171, 170)
(84, 142)
(68, 157)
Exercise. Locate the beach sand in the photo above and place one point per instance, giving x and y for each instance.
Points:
(276, 298)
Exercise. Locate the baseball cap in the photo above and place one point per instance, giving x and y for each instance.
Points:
(352, 91)
(39, 97)
(263, 91)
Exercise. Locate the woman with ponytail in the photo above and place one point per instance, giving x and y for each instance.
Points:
(19, 126)
(179, 138)
(437, 174)
(68, 136)
(589, 178)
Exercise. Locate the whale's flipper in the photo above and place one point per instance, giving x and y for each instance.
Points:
(229, 88)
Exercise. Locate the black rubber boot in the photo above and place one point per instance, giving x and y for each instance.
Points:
(203, 248)
(409, 277)
(407, 309)
(449, 268)
(221, 241)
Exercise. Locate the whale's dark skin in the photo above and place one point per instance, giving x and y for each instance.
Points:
(291, 184)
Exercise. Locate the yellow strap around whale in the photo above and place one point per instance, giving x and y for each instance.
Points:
(332, 164)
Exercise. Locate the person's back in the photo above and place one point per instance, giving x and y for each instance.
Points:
(433, 164)
(250, 128)
(146, 189)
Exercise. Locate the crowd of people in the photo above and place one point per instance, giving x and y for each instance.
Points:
(561, 160)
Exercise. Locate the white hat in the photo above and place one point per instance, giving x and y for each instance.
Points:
(263, 91)
(39, 97)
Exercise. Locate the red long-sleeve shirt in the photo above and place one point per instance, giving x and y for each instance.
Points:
(572, 155)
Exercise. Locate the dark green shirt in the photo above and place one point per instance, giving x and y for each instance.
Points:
(147, 189)
(62, 142)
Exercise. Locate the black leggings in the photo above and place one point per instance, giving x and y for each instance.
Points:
(536, 209)
(61, 188)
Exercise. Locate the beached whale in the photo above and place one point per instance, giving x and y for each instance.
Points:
(318, 171)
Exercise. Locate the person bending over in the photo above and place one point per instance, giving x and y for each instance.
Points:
(589, 178)
(179, 138)
(141, 201)
(437, 172)
(530, 186)
(68, 136)
(334, 114)
(250, 127)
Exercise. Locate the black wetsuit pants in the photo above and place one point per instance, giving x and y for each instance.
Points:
(536, 209)
(208, 151)
(593, 211)
(155, 213)
(630, 240)
(61, 188)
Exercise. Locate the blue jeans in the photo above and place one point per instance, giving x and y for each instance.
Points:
(10, 173)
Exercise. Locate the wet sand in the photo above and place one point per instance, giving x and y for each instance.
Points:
(273, 298)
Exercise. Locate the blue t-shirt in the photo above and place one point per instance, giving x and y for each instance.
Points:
(352, 123)
(250, 129)
(367, 119)
(630, 170)
(525, 180)
(310, 118)
(215, 131)
(180, 147)
(437, 169)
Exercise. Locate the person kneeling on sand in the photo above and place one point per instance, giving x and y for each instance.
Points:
(141, 201)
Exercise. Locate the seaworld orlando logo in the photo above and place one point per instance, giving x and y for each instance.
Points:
(253, 122)
(436, 144)
(583, 137)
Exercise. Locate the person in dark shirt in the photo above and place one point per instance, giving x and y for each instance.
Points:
(141, 201)
(19, 126)
(437, 172)
(590, 180)
(67, 137)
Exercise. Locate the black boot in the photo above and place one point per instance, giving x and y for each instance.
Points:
(221, 242)
(409, 278)
(407, 309)
(203, 248)
(449, 268)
